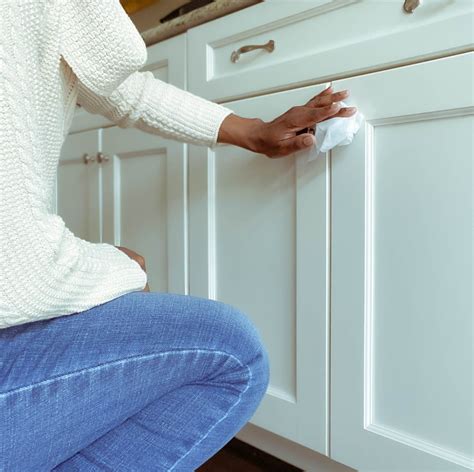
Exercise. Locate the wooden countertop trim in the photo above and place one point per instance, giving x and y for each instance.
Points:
(194, 18)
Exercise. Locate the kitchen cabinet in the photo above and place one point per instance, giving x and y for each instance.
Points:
(258, 240)
(357, 267)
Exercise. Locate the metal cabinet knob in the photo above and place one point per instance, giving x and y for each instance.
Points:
(102, 157)
(411, 5)
(87, 158)
(270, 46)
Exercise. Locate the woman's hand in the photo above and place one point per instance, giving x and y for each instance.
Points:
(279, 138)
(138, 258)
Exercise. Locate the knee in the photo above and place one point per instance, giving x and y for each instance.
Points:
(241, 338)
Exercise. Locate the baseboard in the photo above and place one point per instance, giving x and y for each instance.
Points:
(288, 451)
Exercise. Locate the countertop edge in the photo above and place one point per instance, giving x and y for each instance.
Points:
(193, 18)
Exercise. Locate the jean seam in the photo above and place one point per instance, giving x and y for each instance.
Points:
(92, 461)
(249, 379)
(118, 362)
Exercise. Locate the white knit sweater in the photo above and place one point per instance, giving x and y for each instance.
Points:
(54, 53)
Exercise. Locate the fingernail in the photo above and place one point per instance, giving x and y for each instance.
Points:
(308, 140)
(335, 106)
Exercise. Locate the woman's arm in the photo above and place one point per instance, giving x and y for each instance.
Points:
(151, 105)
(147, 103)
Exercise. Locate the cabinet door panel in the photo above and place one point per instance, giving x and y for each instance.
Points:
(77, 197)
(258, 241)
(402, 360)
(256, 250)
(145, 203)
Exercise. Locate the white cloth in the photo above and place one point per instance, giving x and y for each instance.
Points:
(334, 132)
(54, 53)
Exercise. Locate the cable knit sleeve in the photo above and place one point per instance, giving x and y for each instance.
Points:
(147, 103)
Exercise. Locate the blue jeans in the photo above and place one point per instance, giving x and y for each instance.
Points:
(145, 382)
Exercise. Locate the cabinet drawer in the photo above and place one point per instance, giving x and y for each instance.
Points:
(320, 40)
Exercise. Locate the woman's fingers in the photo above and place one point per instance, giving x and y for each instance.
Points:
(343, 113)
(305, 140)
(301, 117)
(328, 99)
(325, 92)
(288, 146)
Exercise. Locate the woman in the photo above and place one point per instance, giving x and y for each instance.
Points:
(97, 373)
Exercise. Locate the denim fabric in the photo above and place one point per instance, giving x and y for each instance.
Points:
(145, 382)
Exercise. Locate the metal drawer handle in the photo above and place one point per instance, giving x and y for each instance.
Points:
(86, 158)
(411, 5)
(270, 46)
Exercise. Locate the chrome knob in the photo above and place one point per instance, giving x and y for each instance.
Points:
(87, 158)
(101, 157)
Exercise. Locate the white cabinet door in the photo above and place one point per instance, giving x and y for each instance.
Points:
(77, 191)
(401, 296)
(258, 240)
(145, 203)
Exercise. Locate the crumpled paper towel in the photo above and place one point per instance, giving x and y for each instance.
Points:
(335, 132)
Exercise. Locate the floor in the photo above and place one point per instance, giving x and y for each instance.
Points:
(237, 456)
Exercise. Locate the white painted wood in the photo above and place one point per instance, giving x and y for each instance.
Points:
(402, 334)
(320, 40)
(145, 203)
(77, 197)
(289, 451)
(258, 240)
